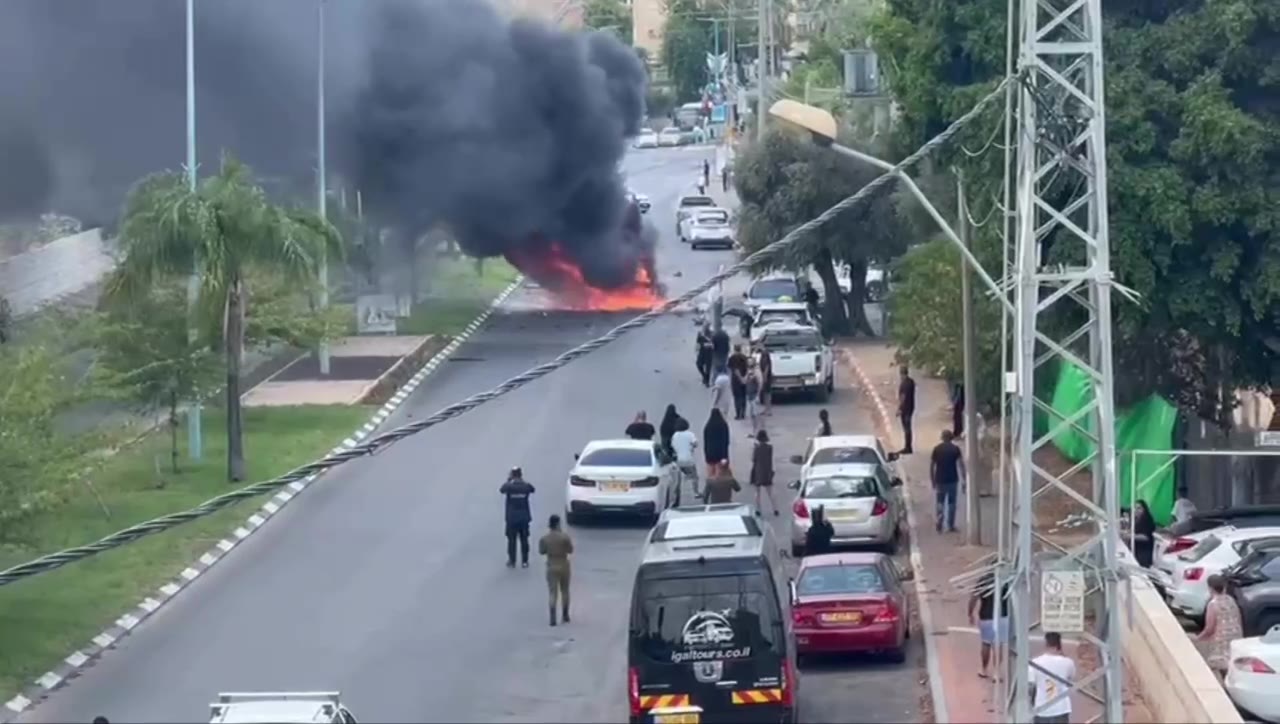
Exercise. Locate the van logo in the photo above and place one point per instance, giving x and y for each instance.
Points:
(708, 672)
(707, 627)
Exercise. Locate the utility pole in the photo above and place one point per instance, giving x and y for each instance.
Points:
(322, 190)
(972, 505)
(762, 68)
(195, 434)
(1062, 133)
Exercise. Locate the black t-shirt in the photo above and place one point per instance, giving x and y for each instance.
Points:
(907, 395)
(946, 462)
(738, 363)
(987, 600)
(640, 431)
(720, 342)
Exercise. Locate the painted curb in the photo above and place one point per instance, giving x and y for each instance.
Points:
(936, 692)
(82, 657)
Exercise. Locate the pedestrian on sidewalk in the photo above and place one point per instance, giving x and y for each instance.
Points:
(715, 438)
(721, 391)
(667, 428)
(766, 382)
(988, 610)
(724, 178)
(957, 409)
(557, 546)
(906, 406)
(517, 492)
(817, 540)
(1222, 625)
(641, 428)
(738, 381)
(721, 484)
(946, 470)
(752, 395)
(706, 172)
(1052, 674)
(719, 348)
(1144, 534)
(762, 471)
(824, 424)
(704, 354)
(684, 443)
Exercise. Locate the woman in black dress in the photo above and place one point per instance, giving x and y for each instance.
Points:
(1144, 534)
(715, 438)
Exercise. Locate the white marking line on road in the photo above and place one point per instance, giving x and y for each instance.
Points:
(49, 680)
(349, 443)
(149, 605)
(225, 545)
(190, 574)
(208, 559)
(241, 533)
(270, 507)
(283, 496)
(298, 485)
(936, 691)
(359, 435)
(103, 640)
(170, 589)
(127, 621)
(76, 659)
(18, 703)
(256, 520)
(368, 427)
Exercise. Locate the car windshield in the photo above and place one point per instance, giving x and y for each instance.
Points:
(800, 341)
(841, 487)
(612, 457)
(827, 580)
(845, 456)
(697, 201)
(710, 618)
(713, 218)
(797, 316)
(774, 288)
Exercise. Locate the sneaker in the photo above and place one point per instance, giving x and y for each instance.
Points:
(511, 564)
(524, 564)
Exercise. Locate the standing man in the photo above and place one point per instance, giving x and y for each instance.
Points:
(721, 391)
(704, 354)
(719, 349)
(641, 428)
(906, 406)
(557, 546)
(738, 381)
(1051, 676)
(957, 409)
(684, 443)
(946, 470)
(724, 178)
(706, 172)
(988, 610)
(517, 492)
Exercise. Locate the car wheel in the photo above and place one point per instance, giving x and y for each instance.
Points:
(896, 656)
(891, 548)
(572, 518)
(693, 245)
(797, 550)
(831, 384)
(802, 661)
(822, 394)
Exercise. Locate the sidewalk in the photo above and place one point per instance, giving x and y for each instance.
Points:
(953, 647)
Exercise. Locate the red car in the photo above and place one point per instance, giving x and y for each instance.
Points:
(850, 602)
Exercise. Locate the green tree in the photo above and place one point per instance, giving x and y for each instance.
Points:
(685, 43)
(1193, 136)
(146, 355)
(230, 227)
(786, 181)
(610, 15)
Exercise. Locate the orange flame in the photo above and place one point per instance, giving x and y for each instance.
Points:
(556, 272)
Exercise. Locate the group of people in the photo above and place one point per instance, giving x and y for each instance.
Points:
(555, 544)
(740, 381)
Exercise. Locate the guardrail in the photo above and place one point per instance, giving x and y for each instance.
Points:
(1176, 683)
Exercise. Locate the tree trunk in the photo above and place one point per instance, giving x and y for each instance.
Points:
(235, 351)
(858, 299)
(835, 320)
(173, 429)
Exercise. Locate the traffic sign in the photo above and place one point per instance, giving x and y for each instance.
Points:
(1062, 601)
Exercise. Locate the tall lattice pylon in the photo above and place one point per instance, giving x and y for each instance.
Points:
(1062, 267)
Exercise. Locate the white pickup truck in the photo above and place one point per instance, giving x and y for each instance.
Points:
(282, 707)
(802, 360)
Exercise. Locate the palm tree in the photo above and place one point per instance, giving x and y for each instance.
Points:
(229, 226)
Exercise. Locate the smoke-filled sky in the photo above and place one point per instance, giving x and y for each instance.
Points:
(441, 112)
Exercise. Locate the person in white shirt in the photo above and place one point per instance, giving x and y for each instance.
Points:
(1183, 508)
(684, 443)
(1051, 675)
(722, 391)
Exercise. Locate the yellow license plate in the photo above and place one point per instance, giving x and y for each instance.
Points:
(615, 487)
(842, 617)
(691, 718)
(844, 514)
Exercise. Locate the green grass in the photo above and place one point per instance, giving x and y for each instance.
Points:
(44, 618)
(458, 295)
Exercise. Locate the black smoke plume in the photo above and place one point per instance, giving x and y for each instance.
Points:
(444, 113)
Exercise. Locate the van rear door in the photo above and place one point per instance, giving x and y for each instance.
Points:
(715, 642)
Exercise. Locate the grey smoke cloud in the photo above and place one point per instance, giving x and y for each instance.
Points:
(441, 112)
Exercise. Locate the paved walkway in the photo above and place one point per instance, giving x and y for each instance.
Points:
(358, 365)
(940, 557)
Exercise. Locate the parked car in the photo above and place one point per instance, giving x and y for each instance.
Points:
(1185, 535)
(686, 207)
(767, 315)
(802, 360)
(646, 139)
(1255, 584)
(846, 450)
(850, 602)
(671, 136)
(707, 227)
(772, 289)
(1253, 677)
(862, 501)
(1216, 552)
(621, 476)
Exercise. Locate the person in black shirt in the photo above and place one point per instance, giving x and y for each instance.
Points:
(703, 359)
(641, 428)
(719, 349)
(957, 409)
(906, 407)
(738, 381)
(517, 493)
(946, 470)
(817, 540)
(993, 629)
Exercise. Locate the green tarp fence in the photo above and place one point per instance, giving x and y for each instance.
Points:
(1148, 425)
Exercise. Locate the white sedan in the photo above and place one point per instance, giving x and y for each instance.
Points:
(621, 476)
(1189, 590)
(1253, 681)
(646, 139)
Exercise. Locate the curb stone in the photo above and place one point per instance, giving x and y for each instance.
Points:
(72, 665)
(936, 692)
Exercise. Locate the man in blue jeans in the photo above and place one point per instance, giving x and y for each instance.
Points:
(946, 470)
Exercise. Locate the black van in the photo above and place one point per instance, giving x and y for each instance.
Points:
(710, 638)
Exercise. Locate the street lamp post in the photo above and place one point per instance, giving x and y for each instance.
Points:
(321, 173)
(195, 435)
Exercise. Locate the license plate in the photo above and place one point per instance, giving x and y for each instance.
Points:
(842, 617)
(844, 514)
(615, 487)
(691, 718)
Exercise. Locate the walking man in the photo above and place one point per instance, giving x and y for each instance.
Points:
(719, 348)
(706, 172)
(557, 546)
(946, 470)
(704, 354)
(738, 381)
(684, 443)
(906, 406)
(957, 409)
(517, 492)
(1051, 676)
(987, 609)
(724, 178)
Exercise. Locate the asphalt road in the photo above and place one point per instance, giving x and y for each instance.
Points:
(386, 579)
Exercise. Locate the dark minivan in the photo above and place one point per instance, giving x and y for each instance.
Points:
(710, 637)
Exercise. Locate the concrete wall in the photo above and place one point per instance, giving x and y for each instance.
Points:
(649, 23)
(1176, 683)
(60, 268)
